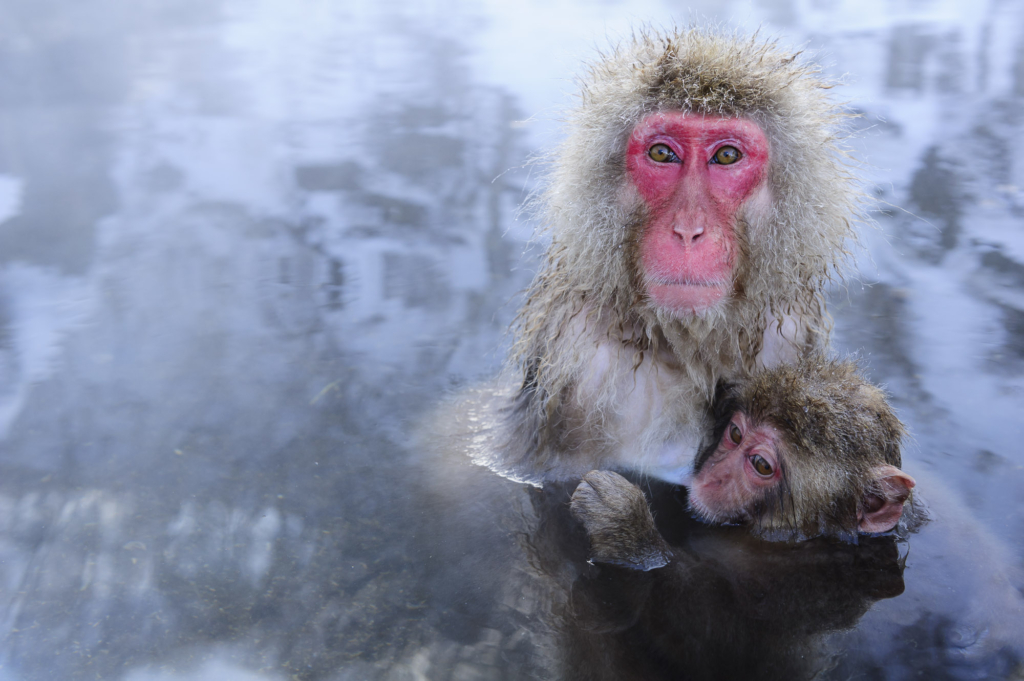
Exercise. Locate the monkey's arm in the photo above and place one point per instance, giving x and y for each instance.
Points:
(618, 522)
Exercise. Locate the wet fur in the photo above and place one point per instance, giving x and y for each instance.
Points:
(589, 293)
(837, 428)
(618, 522)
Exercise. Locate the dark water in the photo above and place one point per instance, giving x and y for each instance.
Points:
(245, 246)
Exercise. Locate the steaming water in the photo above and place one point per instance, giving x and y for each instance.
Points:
(245, 245)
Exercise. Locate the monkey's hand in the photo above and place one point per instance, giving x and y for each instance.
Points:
(619, 523)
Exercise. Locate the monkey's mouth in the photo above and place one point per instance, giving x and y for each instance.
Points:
(686, 295)
(669, 280)
(706, 283)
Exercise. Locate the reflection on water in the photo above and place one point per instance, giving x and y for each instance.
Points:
(728, 606)
(245, 246)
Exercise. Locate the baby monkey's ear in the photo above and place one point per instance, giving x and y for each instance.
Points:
(882, 505)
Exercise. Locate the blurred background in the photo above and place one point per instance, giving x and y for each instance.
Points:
(244, 244)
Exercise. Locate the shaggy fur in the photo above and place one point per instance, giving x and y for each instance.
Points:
(836, 428)
(618, 522)
(589, 290)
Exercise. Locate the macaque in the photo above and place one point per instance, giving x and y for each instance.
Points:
(696, 211)
(797, 451)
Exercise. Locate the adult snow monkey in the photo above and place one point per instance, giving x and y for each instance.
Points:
(697, 209)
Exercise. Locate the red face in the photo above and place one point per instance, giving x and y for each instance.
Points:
(745, 463)
(695, 173)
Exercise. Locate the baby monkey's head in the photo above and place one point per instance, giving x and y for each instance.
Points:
(803, 450)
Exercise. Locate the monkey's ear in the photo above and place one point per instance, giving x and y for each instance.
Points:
(881, 508)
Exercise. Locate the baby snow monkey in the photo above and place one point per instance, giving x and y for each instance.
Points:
(796, 451)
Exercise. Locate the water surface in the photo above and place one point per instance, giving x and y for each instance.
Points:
(245, 246)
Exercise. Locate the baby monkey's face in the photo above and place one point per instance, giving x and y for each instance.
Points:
(756, 475)
(745, 467)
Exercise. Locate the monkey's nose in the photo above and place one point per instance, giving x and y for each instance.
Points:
(689, 232)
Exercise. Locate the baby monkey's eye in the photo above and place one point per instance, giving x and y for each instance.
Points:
(727, 156)
(735, 434)
(761, 465)
(662, 153)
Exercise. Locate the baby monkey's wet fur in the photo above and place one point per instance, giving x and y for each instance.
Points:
(836, 427)
(836, 430)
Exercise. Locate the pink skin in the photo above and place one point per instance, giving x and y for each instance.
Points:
(728, 480)
(689, 248)
(881, 513)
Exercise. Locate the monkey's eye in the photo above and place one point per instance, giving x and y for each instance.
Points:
(761, 465)
(735, 434)
(727, 156)
(662, 153)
